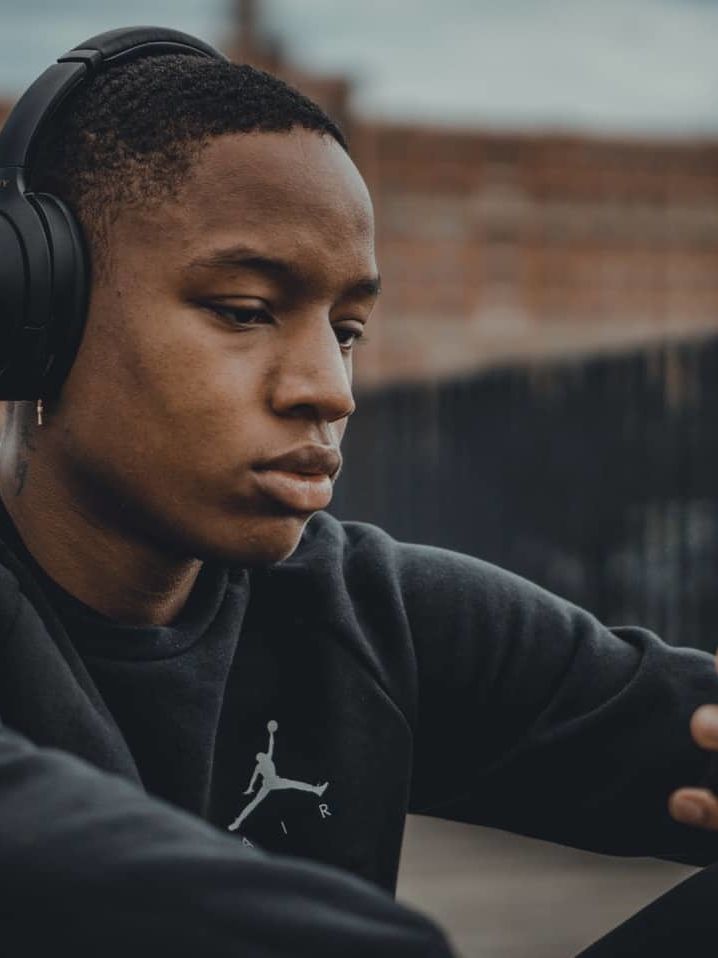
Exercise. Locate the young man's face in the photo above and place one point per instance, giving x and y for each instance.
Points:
(173, 405)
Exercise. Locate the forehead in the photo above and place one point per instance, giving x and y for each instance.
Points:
(280, 175)
(296, 193)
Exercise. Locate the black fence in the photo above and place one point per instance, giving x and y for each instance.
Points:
(598, 480)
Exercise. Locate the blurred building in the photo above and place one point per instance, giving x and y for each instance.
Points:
(497, 247)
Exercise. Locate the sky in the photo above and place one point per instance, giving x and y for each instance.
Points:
(626, 66)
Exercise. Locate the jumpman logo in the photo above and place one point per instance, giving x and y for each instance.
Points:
(270, 780)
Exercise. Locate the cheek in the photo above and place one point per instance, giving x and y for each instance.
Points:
(161, 361)
(157, 388)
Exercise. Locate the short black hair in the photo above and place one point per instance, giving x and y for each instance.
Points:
(131, 133)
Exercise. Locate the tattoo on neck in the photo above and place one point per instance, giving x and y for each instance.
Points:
(20, 474)
(23, 457)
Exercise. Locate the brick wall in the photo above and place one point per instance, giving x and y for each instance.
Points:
(498, 247)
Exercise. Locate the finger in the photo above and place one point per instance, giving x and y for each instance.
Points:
(704, 726)
(694, 806)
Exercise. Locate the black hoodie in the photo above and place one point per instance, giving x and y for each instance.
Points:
(237, 783)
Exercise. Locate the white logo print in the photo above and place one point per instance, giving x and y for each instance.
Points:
(270, 780)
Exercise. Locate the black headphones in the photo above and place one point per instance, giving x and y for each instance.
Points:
(44, 266)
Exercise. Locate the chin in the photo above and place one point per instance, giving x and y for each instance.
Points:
(262, 542)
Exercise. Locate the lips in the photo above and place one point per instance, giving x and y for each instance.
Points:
(310, 460)
(300, 479)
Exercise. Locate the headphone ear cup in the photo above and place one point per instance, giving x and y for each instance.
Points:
(25, 286)
(70, 282)
(13, 298)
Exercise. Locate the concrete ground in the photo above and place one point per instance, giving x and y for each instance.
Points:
(504, 896)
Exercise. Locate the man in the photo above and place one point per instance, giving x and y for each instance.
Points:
(180, 617)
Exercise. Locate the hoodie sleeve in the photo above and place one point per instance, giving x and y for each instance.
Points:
(92, 863)
(535, 718)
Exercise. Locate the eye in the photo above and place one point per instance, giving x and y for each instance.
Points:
(240, 315)
(354, 337)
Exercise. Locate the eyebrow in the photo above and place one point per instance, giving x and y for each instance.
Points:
(243, 257)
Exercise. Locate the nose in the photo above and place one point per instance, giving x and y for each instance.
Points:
(313, 376)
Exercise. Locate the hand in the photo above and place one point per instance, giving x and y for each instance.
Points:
(699, 806)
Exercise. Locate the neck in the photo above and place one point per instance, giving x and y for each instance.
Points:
(125, 578)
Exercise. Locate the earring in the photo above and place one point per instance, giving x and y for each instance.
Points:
(39, 410)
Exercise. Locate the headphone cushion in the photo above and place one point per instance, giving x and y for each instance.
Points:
(70, 287)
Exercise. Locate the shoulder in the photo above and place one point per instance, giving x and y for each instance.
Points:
(427, 581)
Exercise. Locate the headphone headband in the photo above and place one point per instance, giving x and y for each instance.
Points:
(51, 89)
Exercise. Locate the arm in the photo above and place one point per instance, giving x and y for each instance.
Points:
(271, 726)
(535, 718)
(91, 862)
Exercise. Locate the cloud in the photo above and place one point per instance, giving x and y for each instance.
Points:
(35, 33)
(647, 65)
(638, 66)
